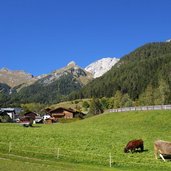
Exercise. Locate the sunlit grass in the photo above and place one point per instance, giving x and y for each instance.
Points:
(90, 141)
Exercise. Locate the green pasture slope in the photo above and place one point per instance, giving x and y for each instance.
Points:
(86, 144)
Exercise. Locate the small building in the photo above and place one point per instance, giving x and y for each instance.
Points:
(49, 121)
(47, 110)
(38, 119)
(62, 112)
(29, 118)
(46, 116)
(11, 112)
(32, 115)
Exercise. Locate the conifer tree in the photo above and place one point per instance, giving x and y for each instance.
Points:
(104, 102)
(85, 105)
(162, 93)
(95, 107)
(111, 103)
(117, 99)
(126, 101)
(147, 98)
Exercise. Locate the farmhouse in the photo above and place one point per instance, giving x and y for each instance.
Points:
(31, 115)
(29, 118)
(62, 112)
(8, 114)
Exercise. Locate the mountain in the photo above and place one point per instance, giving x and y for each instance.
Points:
(132, 74)
(20, 79)
(15, 78)
(169, 40)
(99, 67)
(146, 65)
(53, 87)
(4, 88)
(82, 76)
(20, 87)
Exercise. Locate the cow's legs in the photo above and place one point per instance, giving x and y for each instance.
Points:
(155, 151)
(142, 147)
(162, 157)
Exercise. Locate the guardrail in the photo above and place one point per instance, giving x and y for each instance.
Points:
(142, 108)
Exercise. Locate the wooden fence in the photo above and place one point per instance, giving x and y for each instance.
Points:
(142, 108)
(61, 154)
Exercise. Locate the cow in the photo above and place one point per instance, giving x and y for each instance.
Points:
(162, 148)
(134, 145)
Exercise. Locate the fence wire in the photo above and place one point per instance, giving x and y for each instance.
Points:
(62, 154)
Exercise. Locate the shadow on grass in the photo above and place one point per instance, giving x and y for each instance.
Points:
(139, 151)
(146, 150)
(35, 126)
(167, 157)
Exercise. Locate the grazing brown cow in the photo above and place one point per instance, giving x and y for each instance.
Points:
(134, 145)
(162, 148)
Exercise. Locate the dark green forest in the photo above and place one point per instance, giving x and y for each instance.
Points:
(147, 65)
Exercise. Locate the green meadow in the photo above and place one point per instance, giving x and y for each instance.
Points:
(94, 143)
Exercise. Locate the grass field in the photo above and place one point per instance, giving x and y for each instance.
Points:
(86, 144)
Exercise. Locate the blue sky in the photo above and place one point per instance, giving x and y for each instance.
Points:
(39, 36)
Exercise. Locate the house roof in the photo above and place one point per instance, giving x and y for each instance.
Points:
(7, 109)
(47, 109)
(31, 113)
(66, 109)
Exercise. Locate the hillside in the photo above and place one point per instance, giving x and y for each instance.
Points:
(133, 73)
(90, 141)
(18, 87)
(4, 88)
(15, 78)
(53, 87)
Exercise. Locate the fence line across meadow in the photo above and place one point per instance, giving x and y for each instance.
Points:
(62, 154)
(55, 153)
(141, 108)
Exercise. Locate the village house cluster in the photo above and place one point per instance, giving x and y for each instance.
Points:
(28, 118)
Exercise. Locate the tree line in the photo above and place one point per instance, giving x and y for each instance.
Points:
(151, 96)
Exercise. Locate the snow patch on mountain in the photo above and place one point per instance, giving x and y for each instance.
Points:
(99, 67)
(169, 40)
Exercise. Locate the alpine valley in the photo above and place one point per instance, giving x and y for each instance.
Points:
(18, 87)
(143, 73)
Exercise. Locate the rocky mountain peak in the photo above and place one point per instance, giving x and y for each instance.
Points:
(99, 67)
(71, 69)
(4, 69)
(71, 64)
(15, 77)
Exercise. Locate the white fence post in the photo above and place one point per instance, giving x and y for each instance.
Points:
(58, 153)
(10, 147)
(110, 160)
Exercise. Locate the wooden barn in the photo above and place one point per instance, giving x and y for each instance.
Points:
(62, 112)
(31, 115)
(9, 112)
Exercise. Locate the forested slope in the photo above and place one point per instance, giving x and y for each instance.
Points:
(145, 66)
